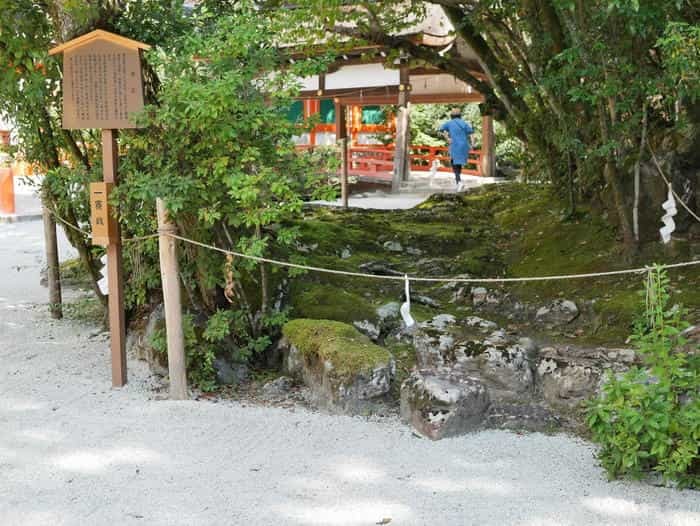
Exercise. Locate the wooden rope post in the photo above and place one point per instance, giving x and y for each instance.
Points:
(53, 274)
(170, 277)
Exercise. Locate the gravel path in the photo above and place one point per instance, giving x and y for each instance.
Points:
(73, 451)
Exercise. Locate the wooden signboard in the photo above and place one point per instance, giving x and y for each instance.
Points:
(102, 81)
(102, 88)
(104, 224)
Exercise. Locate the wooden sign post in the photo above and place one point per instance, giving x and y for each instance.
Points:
(102, 88)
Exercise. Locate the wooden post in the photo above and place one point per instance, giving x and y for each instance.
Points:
(117, 322)
(488, 158)
(402, 163)
(53, 274)
(341, 135)
(170, 278)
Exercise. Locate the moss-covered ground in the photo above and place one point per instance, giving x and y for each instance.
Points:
(513, 230)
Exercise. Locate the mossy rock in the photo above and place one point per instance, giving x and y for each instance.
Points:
(331, 303)
(347, 350)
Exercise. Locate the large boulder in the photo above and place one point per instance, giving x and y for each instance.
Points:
(504, 363)
(439, 404)
(346, 372)
(569, 375)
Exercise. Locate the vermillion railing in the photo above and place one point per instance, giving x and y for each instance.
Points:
(377, 160)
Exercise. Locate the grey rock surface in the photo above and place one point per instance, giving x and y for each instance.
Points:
(368, 328)
(559, 312)
(439, 404)
(277, 387)
(360, 393)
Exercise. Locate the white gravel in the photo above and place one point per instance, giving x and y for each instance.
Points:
(73, 451)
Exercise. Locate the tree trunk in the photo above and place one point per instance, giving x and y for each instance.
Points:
(612, 179)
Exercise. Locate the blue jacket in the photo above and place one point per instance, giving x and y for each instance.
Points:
(459, 139)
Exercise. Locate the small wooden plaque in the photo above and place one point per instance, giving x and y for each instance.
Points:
(103, 221)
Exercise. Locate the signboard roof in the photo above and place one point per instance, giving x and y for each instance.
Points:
(99, 34)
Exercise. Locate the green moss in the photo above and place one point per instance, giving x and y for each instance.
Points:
(512, 230)
(339, 343)
(320, 301)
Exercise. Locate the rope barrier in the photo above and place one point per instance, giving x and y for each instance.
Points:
(288, 264)
(404, 277)
(88, 234)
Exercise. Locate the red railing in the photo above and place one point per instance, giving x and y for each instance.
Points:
(377, 160)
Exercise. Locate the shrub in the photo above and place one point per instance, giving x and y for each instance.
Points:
(649, 418)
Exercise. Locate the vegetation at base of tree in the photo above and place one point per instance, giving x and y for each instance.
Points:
(340, 344)
(649, 418)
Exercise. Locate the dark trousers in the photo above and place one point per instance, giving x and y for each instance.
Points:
(457, 169)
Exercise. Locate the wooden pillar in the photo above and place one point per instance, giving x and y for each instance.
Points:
(356, 123)
(402, 163)
(341, 135)
(488, 158)
(170, 278)
(117, 323)
(53, 274)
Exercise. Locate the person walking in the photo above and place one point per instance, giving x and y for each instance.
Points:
(457, 133)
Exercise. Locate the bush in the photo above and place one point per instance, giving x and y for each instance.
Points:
(649, 418)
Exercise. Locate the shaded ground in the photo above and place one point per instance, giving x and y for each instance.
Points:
(508, 230)
(73, 451)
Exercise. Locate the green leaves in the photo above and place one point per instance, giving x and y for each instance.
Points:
(649, 418)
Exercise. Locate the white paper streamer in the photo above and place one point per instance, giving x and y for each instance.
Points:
(669, 224)
(103, 283)
(406, 307)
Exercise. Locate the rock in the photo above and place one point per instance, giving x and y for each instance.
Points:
(438, 404)
(493, 298)
(139, 341)
(533, 417)
(441, 321)
(389, 317)
(307, 248)
(228, 373)
(505, 367)
(475, 321)
(345, 371)
(559, 312)
(425, 300)
(278, 387)
(345, 254)
(367, 328)
(389, 311)
(393, 246)
(380, 268)
(414, 251)
(570, 375)
(479, 295)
